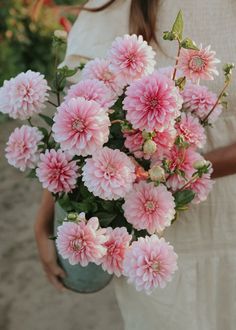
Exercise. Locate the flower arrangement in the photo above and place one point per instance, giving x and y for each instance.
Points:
(122, 154)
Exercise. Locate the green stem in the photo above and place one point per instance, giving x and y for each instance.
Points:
(217, 102)
(52, 103)
(30, 122)
(177, 60)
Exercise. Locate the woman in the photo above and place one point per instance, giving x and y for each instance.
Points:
(202, 294)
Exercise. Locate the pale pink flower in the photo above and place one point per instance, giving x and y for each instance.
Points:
(23, 96)
(199, 100)
(152, 102)
(22, 147)
(134, 142)
(191, 130)
(164, 141)
(149, 207)
(181, 160)
(81, 242)
(198, 64)
(116, 245)
(150, 263)
(56, 171)
(109, 174)
(202, 187)
(131, 57)
(81, 126)
(100, 69)
(91, 89)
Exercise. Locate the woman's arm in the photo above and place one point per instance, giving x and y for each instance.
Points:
(223, 161)
(46, 248)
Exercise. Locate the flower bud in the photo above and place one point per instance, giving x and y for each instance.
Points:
(72, 216)
(157, 173)
(149, 147)
(60, 34)
(200, 163)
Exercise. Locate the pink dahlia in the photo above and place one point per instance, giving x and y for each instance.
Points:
(116, 245)
(81, 126)
(134, 142)
(22, 147)
(191, 130)
(181, 161)
(198, 64)
(23, 96)
(199, 100)
(202, 187)
(164, 141)
(100, 69)
(152, 102)
(131, 57)
(91, 89)
(81, 242)
(56, 171)
(149, 207)
(109, 174)
(149, 263)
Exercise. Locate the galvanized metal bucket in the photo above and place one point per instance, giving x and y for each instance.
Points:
(89, 279)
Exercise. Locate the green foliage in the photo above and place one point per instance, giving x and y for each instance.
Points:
(178, 26)
(183, 198)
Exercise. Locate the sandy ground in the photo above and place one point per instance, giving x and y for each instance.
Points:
(27, 301)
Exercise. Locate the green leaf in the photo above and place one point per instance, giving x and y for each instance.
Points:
(178, 26)
(167, 35)
(45, 133)
(180, 83)
(105, 218)
(182, 198)
(188, 43)
(48, 120)
(32, 174)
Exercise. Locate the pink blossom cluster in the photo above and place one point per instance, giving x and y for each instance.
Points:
(127, 135)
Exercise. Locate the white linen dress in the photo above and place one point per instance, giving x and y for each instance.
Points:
(202, 295)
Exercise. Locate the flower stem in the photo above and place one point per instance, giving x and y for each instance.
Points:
(177, 60)
(30, 122)
(217, 101)
(194, 178)
(117, 121)
(50, 102)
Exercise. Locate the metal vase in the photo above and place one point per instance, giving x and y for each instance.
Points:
(89, 279)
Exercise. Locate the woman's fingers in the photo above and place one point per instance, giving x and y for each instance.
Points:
(55, 273)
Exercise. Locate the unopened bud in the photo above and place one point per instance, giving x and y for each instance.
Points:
(60, 34)
(149, 147)
(200, 163)
(157, 173)
(72, 216)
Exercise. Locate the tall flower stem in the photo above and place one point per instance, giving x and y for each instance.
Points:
(177, 60)
(217, 101)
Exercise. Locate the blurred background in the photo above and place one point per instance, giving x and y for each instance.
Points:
(27, 301)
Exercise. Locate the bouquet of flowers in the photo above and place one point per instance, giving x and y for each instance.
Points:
(122, 152)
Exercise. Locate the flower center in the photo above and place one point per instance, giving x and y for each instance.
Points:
(78, 125)
(107, 76)
(150, 206)
(76, 245)
(130, 59)
(110, 171)
(156, 266)
(196, 63)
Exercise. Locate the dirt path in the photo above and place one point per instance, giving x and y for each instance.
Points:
(27, 301)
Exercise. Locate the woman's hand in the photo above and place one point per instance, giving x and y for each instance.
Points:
(47, 253)
(223, 161)
(46, 247)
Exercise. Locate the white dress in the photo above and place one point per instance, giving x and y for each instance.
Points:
(202, 295)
